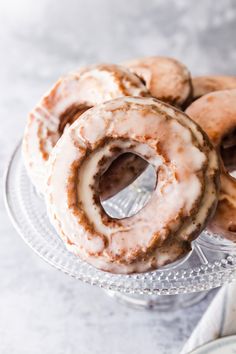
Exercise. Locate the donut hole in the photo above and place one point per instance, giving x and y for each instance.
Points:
(70, 115)
(228, 152)
(127, 186)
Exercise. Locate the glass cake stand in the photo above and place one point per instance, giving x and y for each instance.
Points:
(211, 263)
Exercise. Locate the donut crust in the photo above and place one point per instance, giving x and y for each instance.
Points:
(203, 85)
(166, 78)
(216, 114)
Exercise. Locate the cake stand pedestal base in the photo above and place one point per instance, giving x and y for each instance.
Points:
(158, 302)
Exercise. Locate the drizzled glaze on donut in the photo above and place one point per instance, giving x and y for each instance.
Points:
(71, 96)
(185, 196)
(216, 114)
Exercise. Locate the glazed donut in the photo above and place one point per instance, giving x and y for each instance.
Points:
(206, 84)
(64, 103)
(216, 114)
(184, 198)
(166, 78)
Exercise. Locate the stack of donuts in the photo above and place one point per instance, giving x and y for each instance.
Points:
(99, 127)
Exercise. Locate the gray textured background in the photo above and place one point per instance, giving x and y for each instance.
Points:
(41, 309)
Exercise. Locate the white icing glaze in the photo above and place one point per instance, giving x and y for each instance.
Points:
(85, 88)
(186, 165)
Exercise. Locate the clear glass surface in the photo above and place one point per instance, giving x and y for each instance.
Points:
(211, 263)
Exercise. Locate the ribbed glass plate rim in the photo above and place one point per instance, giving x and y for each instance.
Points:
(165, 281)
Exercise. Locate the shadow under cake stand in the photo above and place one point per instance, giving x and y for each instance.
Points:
(211, 263)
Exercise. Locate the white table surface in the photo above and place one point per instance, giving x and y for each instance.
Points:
(41, 309)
